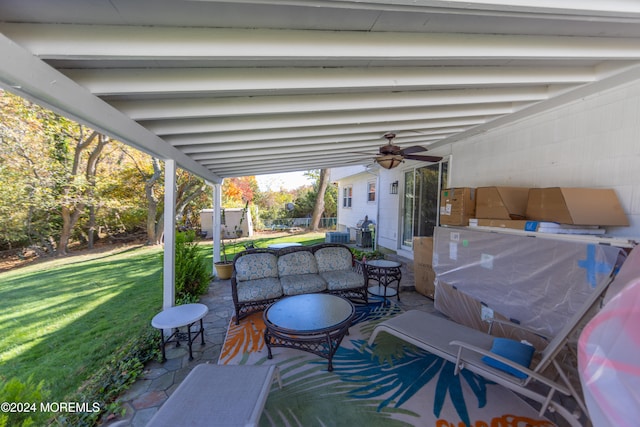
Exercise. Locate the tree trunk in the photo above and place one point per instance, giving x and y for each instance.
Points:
(153, 237)
(159, 229)
(75, 203)
(92, 170)
(65, 232)
(318, 208)
(91, 234)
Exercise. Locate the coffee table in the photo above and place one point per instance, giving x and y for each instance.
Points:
(315, 323)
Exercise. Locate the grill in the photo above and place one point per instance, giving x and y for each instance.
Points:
(363, 233)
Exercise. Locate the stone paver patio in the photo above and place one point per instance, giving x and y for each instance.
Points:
(159, 380)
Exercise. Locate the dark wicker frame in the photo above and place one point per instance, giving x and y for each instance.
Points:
(244, 309)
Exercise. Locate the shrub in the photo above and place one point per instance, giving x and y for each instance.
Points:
(358, 254)
(29, 393)
(116, 376)
(192, 275)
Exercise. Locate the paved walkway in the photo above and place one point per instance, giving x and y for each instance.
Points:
(159, 380)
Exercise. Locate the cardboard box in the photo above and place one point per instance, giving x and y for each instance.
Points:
(580, 206)
(501, 202)
(457, 205)
(466, 310)
(538, 226)
(501, 223)
(422, 266)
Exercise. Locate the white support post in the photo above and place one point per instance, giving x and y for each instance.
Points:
(169, 281)
(217, 227)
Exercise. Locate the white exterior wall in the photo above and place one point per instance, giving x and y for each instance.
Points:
(349, 217)
(232, 219)
(385, 213)
(593, 142)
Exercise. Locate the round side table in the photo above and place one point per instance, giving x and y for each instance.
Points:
(177, 317)
(384, 272)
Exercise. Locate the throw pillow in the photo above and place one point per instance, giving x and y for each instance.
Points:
(515, 351)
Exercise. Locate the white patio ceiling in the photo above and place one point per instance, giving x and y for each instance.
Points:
(255, 87)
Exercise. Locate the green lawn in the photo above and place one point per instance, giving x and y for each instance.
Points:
(61, 319)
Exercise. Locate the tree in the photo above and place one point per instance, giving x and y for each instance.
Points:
(189, 189)
(318, 209)
(153, 232)
(237, 191)
(79, 179)
(27, 199)
(63, 182)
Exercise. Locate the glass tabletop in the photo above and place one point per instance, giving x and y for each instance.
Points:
(309, 312)
(384, 263)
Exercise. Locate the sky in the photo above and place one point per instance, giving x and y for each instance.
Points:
(288, 181)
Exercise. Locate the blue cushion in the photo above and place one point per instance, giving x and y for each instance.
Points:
(515, 351)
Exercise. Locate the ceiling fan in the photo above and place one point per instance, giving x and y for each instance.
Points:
(392, 155)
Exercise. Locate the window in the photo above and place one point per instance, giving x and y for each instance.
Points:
(347, 194)
(371, 192)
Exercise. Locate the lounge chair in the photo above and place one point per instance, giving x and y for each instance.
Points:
(466, 347)
(218, 395)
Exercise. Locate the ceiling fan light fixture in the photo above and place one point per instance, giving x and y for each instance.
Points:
(389, 161)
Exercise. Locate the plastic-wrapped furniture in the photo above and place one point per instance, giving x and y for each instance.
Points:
(608, 350)
(471, 349)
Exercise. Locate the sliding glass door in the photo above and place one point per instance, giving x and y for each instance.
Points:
(422, 188)
(408, 208)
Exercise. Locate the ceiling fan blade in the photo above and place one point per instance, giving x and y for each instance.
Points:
(423, 158)
(413, 149)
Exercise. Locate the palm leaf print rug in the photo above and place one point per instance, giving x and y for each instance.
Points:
(391, 383)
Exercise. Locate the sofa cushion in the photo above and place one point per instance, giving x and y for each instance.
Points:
(259, 289)
(295, 284)
(342, 279)
(301, 262)
(333, 258)
(256, 266)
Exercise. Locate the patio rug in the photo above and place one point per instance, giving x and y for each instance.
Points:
(390, 384)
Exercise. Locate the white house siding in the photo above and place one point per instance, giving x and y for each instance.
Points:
(593, 142)
(349, 217)
(387, 211)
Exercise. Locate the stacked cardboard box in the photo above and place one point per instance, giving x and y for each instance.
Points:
(576, 206)
(506, 203)
(457, 206)
(423, 266)
(548, 210)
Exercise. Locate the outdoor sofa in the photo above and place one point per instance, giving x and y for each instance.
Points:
(262, 276)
